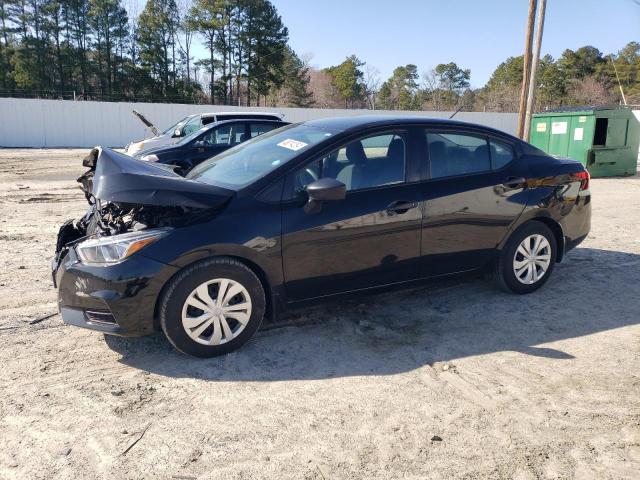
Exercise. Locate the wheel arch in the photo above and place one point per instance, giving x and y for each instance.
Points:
(558, 233)
(551, 223)
(270, 298)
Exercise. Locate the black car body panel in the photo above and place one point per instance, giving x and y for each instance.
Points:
(119, 299)
(421, 228)
(122, 179)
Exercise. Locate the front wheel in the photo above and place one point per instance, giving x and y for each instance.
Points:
(212, 308)
(527, 260)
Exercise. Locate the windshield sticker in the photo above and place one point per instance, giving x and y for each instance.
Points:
(294, 145)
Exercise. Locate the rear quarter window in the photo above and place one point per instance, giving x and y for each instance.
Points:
(501, 154)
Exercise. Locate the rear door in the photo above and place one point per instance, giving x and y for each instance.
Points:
(475, 192)
(370, 238)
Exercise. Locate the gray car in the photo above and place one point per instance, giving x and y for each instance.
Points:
(190, 124)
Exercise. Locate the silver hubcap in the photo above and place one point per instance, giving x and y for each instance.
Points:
(216, 312)
(532, 259)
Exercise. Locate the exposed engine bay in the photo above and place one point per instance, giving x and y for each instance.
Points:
(126, 195)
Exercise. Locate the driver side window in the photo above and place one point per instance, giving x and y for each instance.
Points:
(368, 162)
(225, 135)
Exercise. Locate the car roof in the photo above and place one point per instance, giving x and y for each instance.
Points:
(254, 114)
(341, 124)
(211, 125)
(236, 120)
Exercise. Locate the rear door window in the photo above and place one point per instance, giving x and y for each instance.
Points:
(457, 154)
(454, 154)
(501, 154)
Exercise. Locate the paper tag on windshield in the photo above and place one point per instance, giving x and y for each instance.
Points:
(292, 144)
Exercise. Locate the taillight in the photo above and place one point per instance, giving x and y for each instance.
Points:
(584, 179)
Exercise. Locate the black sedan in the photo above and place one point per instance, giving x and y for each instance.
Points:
(309, 211)
(207, 142)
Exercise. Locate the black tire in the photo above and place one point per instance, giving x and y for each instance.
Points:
(505, 274)
(185, 282)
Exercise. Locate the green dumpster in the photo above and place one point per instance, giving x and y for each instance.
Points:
(603, 139)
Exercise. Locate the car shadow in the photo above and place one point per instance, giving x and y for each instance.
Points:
(591, 291)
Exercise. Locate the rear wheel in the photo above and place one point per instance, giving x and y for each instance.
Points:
(527, 260)
(212, 307)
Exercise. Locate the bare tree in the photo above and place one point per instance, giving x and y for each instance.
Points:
(185, 37)
(504, 98)
(372, 84)
(589, 91)
(433, 94)
(325, 94)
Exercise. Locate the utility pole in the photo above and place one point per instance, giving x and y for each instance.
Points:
(534, 70)
(618, 79)
(526, 66)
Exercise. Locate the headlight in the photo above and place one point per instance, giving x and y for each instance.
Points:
(114, 249)
(149, 158)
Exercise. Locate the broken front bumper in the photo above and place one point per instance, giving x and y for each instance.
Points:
(118, 299)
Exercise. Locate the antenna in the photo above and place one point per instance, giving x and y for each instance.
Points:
(456, 112)
(618, 78)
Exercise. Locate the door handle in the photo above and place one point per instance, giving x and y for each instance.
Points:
(515, 182)
(400, 207)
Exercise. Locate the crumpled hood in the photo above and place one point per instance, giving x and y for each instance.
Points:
(116, 177)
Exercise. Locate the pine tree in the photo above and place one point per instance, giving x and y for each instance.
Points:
(296, 82)
(157, 27)
(347, 79)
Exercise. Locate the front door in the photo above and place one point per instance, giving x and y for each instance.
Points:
(370, 238)
(475, 194)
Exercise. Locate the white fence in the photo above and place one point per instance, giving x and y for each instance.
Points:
(65, 123)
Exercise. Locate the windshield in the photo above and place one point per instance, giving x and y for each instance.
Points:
(253, 159)
(175, 125)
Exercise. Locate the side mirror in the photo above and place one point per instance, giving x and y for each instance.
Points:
(199, 144)
(324, 190)
(177, 133)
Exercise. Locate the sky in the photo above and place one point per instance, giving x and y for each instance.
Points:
(476, 34)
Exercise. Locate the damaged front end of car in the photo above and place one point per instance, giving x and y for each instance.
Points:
(132, 199)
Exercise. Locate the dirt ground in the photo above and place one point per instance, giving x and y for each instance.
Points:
(452, 380)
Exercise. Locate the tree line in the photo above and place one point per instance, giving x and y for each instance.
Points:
(585, 76)
(98, 49)
(93, 49)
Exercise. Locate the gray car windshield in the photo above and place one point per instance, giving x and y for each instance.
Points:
(191, 136)
(255, 158)
(175, 125)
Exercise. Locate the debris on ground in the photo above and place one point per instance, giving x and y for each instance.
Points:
(42, 318)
